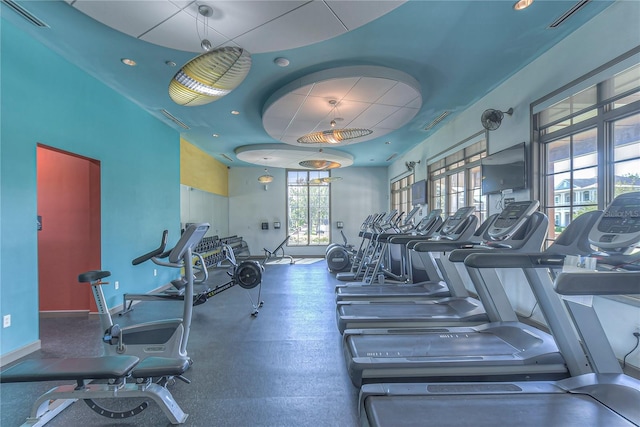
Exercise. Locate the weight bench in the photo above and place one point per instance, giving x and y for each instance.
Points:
(116, 369)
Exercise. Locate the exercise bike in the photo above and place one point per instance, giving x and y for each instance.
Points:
(163, 338)
(152, 354)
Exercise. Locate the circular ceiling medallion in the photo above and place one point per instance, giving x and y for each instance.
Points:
(371, 98)
(285, 156)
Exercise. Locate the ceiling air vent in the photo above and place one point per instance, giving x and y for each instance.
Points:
(25, 13)
(569, 13)
(437, 120)
(171, 117)
(391, 157)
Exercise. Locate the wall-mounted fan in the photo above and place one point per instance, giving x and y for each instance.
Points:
(411, 165)
(491, 118)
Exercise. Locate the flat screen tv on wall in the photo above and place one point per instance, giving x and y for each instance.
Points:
(419, 192)
(505, 170)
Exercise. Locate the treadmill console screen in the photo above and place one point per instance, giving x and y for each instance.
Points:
(619, 225)
(428, 221)
(463, 213)
(452, 223)
(434, 213)
(513, 212)
(511, 218)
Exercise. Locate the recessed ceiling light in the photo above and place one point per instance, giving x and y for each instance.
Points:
(170, 63)
(215, 135)
(129, 62)
(387, 142)
(281, 62)
(522, 4)
(235, 112)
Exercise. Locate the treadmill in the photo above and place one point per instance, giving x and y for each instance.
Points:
(604, 397)
(378, 253)
(457, 231)
(397, 267)
(387, 260)
(519, 227)
(491, 351)
(459, 226)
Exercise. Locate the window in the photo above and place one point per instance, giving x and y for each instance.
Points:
(589, 148)
(401, 194)
(308, 196)
(456, 181)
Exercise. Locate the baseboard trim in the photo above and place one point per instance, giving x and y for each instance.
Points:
(16, 354)
(64, 313)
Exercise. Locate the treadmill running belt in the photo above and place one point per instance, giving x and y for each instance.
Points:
(523, 410)
(407, 310)
(430, 346)
(370, 290)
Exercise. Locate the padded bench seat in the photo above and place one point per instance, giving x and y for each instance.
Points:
(76, 368)
(160, 367)
(93, 368)
(81, 369)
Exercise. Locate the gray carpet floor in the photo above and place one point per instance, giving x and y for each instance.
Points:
(281, 368)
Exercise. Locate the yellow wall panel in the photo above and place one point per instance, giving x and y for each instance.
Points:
(201, 171)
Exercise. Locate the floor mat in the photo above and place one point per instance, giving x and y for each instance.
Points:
(298, 261)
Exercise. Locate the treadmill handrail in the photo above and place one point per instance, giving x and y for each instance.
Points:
(513, 260)
(598, 283)
(442, 246)
(460, 255)
(403, 239)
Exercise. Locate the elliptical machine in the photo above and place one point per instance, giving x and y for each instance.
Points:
(339, 256)
(343, 256)
(163, 338)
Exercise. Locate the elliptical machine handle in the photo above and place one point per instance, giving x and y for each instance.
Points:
(159, 252)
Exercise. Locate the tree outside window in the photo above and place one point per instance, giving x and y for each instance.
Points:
(308, 219)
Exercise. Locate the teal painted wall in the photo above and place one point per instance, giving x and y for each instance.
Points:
(45, 99)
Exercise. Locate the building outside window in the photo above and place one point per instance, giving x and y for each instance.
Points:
(308, 208)
(589, 145)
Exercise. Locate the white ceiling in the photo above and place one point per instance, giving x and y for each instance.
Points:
(258, 26)
(381, 104)
(375, 98)
(455, 52)
(281, 155)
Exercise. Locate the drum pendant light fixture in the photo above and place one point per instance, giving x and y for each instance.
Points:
(333, 136)
(266, 178)
(319, 164)
(211, 75)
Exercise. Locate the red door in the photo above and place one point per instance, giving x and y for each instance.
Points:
(69, 240)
